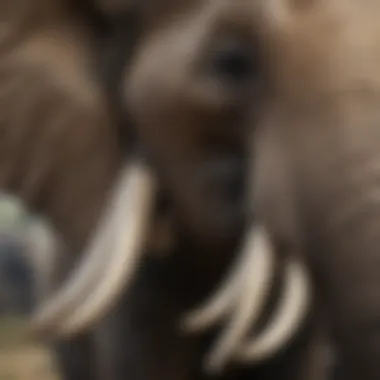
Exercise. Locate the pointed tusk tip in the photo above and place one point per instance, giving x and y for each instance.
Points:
(39, 333)
(213, 366)
(188, 324)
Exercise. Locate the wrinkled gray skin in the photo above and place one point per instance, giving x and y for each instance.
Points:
(315, 139)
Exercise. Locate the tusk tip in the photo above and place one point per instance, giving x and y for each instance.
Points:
(194, 322)
(38, 328)
(38, 333)
(41, 328)
(188, 324)
(45, 332)
(68, 331)
(213, 366)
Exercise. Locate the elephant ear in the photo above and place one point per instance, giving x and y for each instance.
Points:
(59, 153)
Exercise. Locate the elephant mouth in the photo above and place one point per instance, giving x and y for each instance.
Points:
(99, 280)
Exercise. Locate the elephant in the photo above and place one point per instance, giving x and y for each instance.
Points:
(59, 143)
(297, 82)
(65, 154)
(207, 197)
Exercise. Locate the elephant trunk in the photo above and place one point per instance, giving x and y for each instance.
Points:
(338, 179)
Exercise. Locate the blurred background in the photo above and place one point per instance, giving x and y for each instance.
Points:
(20, 232)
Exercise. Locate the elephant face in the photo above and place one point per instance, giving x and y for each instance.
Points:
(186, 91)
(300, 82)
(196, 89)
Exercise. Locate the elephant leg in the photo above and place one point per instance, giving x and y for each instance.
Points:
(75, 358)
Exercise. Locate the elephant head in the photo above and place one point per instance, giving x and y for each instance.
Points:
(61, 148)
(200, 156)
(299, 81)
(195, 90)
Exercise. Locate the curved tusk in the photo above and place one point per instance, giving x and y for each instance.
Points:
(82, 280)
(131, 227)
(288, 317)
(84, 275)
(258, 275)
(219, 303)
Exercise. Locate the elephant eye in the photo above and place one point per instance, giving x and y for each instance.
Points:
(231, 62)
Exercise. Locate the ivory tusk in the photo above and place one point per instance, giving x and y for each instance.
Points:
(258, 275)
(288, 317)
(83, 278)
(131, 227)
(80, 281)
